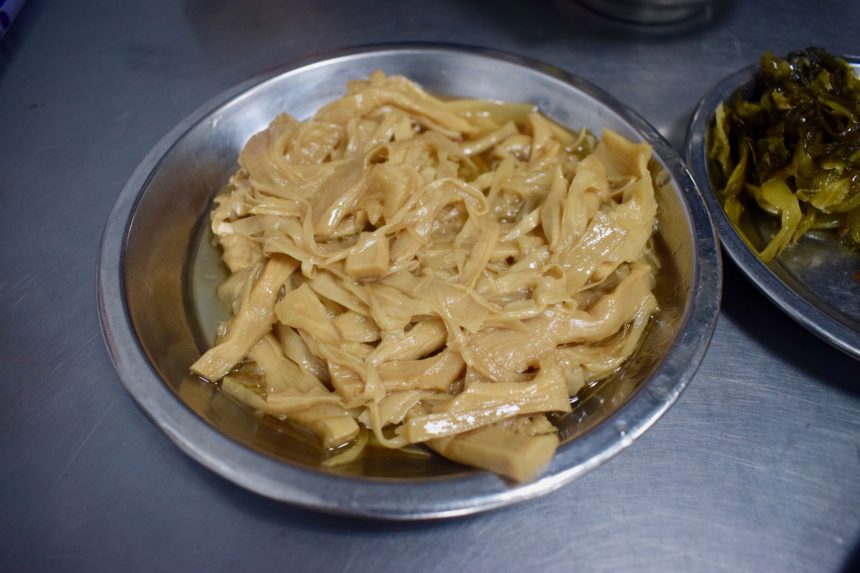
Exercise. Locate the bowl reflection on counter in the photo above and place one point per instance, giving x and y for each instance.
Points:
(156, 315)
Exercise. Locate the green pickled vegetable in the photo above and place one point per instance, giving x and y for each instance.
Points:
(791, 147)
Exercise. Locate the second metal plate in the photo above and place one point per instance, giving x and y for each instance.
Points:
(815, 281)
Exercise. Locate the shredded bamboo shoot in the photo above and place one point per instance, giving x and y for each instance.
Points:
(431, 272)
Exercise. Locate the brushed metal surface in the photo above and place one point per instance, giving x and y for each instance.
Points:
(816, 280)
(149, 322)
(754, 469)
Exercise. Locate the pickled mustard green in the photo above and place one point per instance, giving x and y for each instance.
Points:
(790, 146)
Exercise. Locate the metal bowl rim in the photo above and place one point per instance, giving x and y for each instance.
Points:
(406, 500)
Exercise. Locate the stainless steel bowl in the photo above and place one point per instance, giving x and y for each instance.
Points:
(814, 281)
(151, 316)
(652, 11)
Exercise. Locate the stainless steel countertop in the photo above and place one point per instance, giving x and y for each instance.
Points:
(757, 468)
